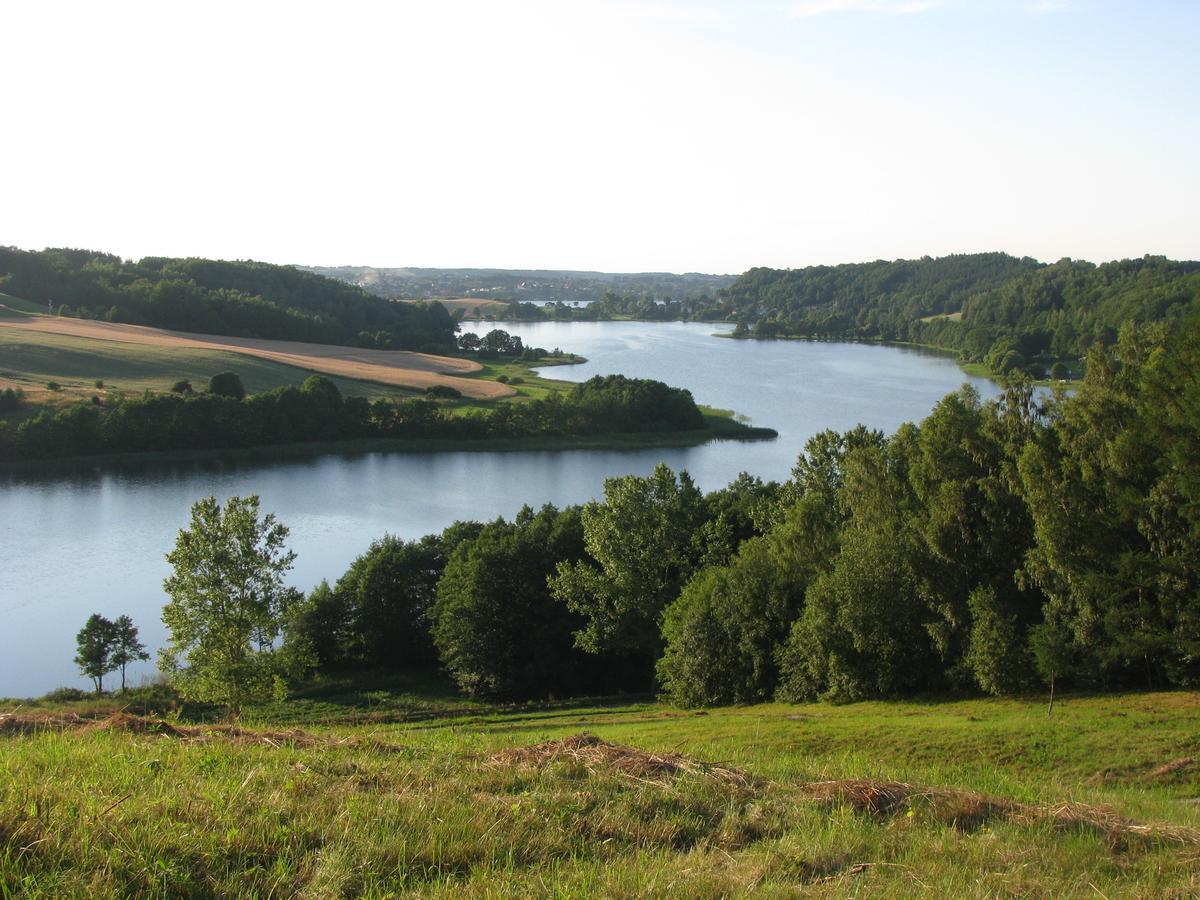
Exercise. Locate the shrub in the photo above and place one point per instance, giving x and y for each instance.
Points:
(54, 385)
(181, 387)
(66, 695)
(227, 384)
(11, 399)
(443, 392)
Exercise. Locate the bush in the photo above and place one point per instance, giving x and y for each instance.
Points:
(724, 631)
(54, 385)
(227, 384)
(10, 399)
(181, 387)
(66, 695)
(443, 392)
(516, 379)
(100, 383)
(503, 379)
(1060, 372)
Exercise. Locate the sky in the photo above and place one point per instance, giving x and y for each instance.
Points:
(602, 134)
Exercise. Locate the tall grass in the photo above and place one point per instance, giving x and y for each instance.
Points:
(429, 807)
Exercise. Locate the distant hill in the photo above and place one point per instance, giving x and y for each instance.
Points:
(243, 299)
(522, 285)
(993, 308)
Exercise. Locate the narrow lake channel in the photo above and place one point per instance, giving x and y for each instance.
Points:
(92, 539)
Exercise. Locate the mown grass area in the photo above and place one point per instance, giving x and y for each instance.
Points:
(873, 799)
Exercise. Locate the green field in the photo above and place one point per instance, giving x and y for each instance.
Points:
(19, 305)
(33, 358)
(398, 789)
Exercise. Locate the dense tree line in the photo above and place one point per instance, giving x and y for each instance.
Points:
(530, 287)
(611, 305)
(520, 609)
(992, 547)
(222, 419)
(1015, 315)
(245, 299)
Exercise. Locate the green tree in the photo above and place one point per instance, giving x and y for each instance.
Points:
(227, 384)
(126, 646)
(228, 602)
(641, 549)
(386, 596)
(724, 631)
(497, 629)
(95, 649)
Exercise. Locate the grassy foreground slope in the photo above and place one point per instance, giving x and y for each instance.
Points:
(970, 798)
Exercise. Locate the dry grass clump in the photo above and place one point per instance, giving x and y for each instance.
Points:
(12, 724)
(965, 810)
(968, 810)
(599, 756)
(1175, 765)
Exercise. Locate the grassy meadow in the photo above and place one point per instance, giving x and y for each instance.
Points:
(402, 789)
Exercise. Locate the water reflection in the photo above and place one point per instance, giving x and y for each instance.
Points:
(88, 537)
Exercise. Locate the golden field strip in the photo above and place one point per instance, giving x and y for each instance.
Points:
(400, 368)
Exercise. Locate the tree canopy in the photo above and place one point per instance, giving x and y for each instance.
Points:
(228, 602)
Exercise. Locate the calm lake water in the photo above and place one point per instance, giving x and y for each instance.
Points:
(93, 539)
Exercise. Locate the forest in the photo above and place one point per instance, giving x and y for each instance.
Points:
(998, 547)
(222, 418)
(244, 299)
(1014, 315)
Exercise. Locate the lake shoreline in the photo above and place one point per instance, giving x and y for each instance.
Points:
(727, 430)
(978, 370)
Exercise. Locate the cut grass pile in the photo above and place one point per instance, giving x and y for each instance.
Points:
(971, 798)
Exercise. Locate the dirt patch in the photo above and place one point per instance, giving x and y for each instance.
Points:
(599, 756)
(402, 368)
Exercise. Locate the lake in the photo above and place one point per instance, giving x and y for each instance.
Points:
(93, 538)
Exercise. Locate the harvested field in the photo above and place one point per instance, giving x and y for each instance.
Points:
(401, 368)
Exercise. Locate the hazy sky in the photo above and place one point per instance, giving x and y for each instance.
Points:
(602, 134)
